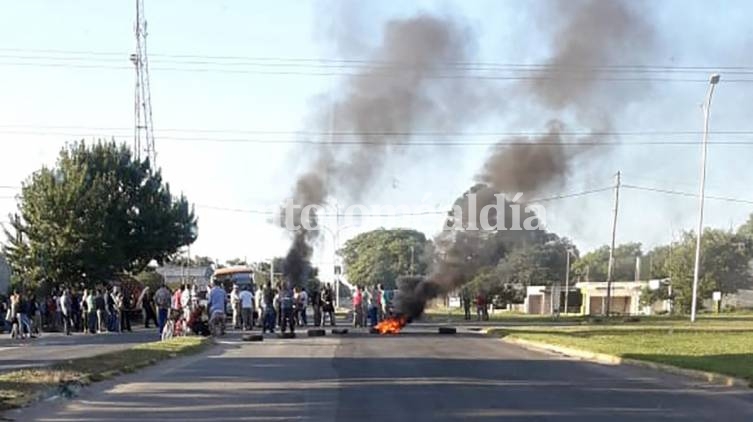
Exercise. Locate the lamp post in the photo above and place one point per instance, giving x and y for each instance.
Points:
(567, 278)
(706, 110)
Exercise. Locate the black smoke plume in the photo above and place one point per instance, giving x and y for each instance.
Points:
(585, 34)
(395, 92)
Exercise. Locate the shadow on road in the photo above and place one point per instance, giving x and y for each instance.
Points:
(401, 389)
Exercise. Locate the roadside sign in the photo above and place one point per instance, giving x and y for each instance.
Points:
(717, 296)
(454, 302)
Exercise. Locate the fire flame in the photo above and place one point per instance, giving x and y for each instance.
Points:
(391, 325)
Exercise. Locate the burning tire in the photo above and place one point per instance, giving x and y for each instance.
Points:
(373, 330)
(448, 330)
(339, 331)
(317, 332)
(286, 335)
(253, 337)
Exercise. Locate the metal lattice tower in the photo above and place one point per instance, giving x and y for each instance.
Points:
(143, 135)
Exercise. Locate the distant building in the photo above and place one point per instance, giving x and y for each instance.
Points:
(590, 298)
(175, 275)
(4, 275)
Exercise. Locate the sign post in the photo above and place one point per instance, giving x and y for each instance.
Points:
(717, 296)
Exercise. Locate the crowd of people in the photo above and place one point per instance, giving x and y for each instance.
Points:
(370, 306)
(66, 310)
(268, 308)
(285, 309)
(185, 311)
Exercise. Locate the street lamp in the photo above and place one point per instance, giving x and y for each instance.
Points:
(706, 109)
(567, 278)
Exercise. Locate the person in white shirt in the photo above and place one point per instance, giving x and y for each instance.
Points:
(185, 303)
(247, 308)
(301, 300)
(235, 302)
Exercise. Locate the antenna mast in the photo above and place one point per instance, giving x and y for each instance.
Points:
(143, 135)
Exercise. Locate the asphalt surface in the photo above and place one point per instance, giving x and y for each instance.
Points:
(416, 376)
(50, 348)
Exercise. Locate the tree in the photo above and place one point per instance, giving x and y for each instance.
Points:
(196, 261)
(236, 262)
(593, 265)
(723, 267)
(96, 213)
(261, 274)
(536, 265)
(150, 278)
(381, 255)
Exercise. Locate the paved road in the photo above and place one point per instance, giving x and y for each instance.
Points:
(55, 347)
(412, 377)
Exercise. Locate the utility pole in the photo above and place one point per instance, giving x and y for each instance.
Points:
(143, 135)
(567, 279)
(412, 254)
(610, 267)
(699, 234)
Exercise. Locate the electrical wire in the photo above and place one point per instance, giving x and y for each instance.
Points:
(404, 142)
(687, 194)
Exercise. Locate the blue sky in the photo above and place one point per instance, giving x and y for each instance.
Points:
(42, 107)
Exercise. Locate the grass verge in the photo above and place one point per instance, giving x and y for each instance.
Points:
(712, 346)
(19, 388)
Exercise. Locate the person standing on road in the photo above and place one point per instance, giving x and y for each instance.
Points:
(301, 302)
(146, 303)
(467, 304)
(185, 302)
(287, 308)
(373, 307)
(162, 301)
(316, 305)
(35, 314)
(235, 303)
(91, 306)
(75, 310)
(176, 303)
(383, 311)
(358, 307)
(268, 309)
(276, 302)
(15, 316)
(247, 308)
(216, 306)
(101, 306)
(66, 311)
(328, 305)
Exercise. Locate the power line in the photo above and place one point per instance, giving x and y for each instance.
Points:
(380, 74)
(571, 195)
(395, 133)
(687, 194)
(402, 214)
(407, 142)
(112, 55)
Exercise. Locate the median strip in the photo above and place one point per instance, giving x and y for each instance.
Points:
(716, 355)
(19, 388)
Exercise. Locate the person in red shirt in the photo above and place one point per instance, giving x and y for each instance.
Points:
(176, 304)
(358, 307)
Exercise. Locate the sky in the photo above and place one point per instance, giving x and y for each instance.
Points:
(223, 127)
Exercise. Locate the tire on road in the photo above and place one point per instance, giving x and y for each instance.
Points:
(339, 331)
(286, 335)
(253, 337)
(316, 332)
(447, 330)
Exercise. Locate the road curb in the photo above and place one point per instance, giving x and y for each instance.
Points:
(606, 359)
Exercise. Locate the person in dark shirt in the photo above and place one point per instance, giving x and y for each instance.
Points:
(101, 308)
